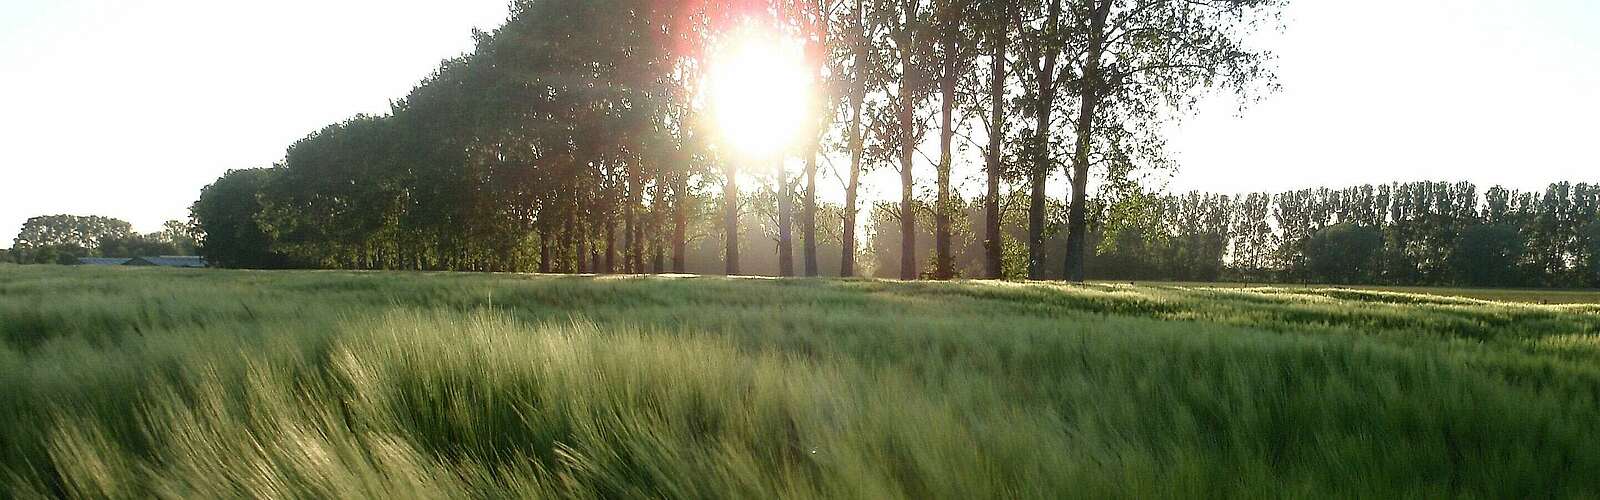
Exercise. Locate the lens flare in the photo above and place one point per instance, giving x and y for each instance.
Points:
(760, 92)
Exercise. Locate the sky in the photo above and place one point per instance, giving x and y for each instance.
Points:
(127, 108)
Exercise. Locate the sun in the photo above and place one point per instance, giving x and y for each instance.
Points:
(759, 91)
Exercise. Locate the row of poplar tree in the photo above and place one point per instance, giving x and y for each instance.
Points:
(572, 137)
(1420, 233)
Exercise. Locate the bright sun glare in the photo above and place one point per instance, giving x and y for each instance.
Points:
(760, 92)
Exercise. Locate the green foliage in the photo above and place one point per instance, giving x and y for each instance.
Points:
(227, 215)
(138, 245)
(1488, 255)
(123, 382)
(1591, 233)
(42, 239)
(883, 229)
(511, 158)
(62, 239)
(1432, 233)
(1344, 253)
(182, 235)
(61, 255)
(52, 254)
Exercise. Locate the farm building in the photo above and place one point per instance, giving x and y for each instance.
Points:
(103, 261)
(162, 261)
(168, 261)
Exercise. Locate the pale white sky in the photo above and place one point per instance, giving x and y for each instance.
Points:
(126, 108)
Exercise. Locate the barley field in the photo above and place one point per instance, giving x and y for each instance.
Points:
(139, 383)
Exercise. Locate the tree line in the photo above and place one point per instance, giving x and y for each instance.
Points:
(572, 139)
(63, 239)
(1417, 233)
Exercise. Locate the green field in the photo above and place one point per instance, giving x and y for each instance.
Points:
(118, 382)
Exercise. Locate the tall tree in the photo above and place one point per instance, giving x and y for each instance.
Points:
(996, 18)
(952, 31)
(860, 39)
(813, 18)
(1043, 49)
(907, 39)
(1137, 56)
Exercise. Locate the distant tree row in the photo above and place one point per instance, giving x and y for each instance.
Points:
(63, 239)
(575, 138)
(1422, 233)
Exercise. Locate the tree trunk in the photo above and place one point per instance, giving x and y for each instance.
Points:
(785, 222)
(658, 208)
(582, 256)
(544, 252)
(637, 265)
(597, 226)
(993, 239)
(627, 238)
(908, 146)
(680, 222)
(1077, 248)
(808, 214)
(1041, 149)
(858, 92)
(632, 245)
(730, 210)
(944, 262)
(611, 242)
(581, 260)
(567, 242)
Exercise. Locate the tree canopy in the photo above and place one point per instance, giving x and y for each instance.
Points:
(577, 137)
(63, 239)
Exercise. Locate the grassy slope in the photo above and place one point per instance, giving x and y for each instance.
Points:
(141, 382)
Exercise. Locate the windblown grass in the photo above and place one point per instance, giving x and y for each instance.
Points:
(183, 384)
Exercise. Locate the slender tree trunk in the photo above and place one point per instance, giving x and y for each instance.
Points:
(597, 227)
(658, 212)
(808, 215)
(730, 211)
(611, 242)
(568, 242)
(544, 252)
(636, 205)
(993, 239)
(944, 262)
(585, 219)
(1077, 248)
(628, 221)
(680, 222)
(908, 146)
(816, 55)
(582, 246)
(858, 93)
(638, 246)
(785, 222)
(1041, 149)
